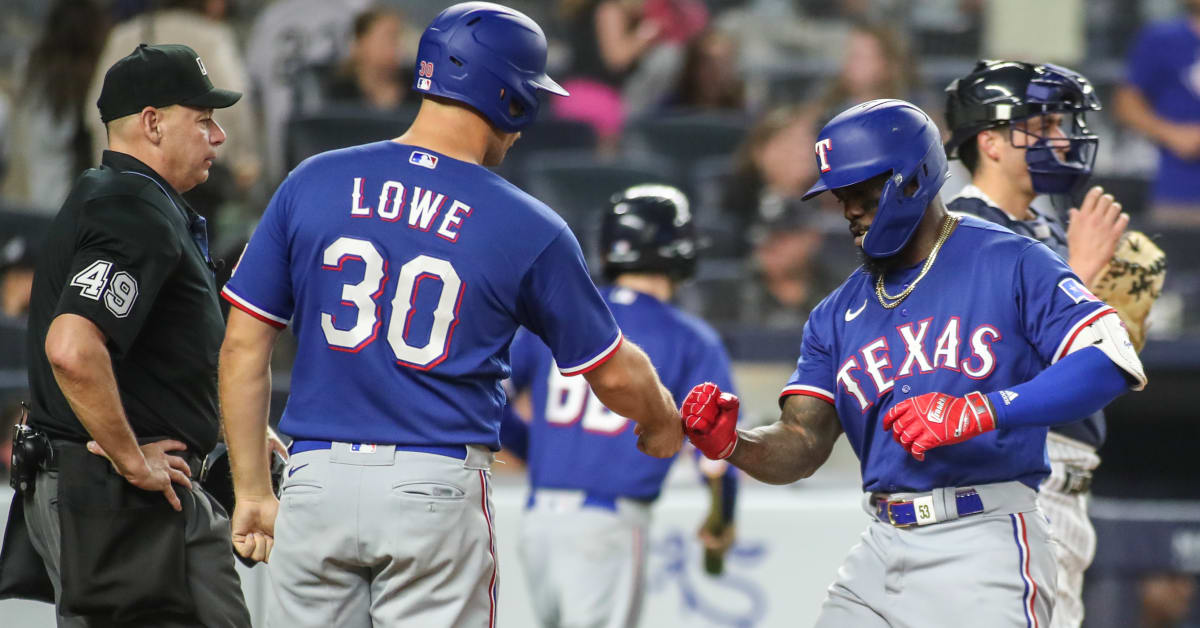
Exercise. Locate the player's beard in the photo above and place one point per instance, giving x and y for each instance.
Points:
(877, 266)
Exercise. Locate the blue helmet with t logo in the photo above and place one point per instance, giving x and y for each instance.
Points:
(879, 137)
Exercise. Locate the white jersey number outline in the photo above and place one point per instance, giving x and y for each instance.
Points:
(364, 296)
(570, 399)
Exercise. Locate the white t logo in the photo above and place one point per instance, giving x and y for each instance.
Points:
(203, 70)
(823, 147)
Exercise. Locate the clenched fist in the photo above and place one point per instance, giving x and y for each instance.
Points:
(934, 420)
(710, 420)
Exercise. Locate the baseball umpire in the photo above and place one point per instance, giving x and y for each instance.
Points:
(584, 536)
(124, 334)
(405, 268)
(943, 358)
(1021, 130)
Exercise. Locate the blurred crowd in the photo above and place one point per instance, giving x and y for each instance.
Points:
(721, 97)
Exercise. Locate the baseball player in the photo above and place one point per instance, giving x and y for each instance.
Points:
(404, 268)
(584, 537)
(1021, 130)
(943, 358)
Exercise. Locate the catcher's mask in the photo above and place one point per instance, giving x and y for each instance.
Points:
(1007, 94)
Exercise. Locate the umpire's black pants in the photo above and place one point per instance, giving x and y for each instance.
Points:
(211, 579)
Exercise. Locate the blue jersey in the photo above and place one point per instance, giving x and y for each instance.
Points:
(1047, 229)
(577, 443)
(995, 309)
(1164, 65)
(405, 275)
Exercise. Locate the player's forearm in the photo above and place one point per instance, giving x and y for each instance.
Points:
(776, 454)
(244, 380)
(82, 366)
(1133, 110)
(792, 448)
(628, 385)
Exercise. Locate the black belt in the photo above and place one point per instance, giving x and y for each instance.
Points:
(194, 462)
(1076, 480)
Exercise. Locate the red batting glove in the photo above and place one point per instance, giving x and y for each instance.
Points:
(710, 420)
(934, 420)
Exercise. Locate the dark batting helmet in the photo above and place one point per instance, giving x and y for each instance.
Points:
(878, 137)
(649, 229)
(489, 57)
(998, 93)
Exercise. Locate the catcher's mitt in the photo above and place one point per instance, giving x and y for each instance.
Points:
(1132, 281)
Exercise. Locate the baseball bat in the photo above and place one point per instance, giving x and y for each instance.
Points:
(714, 561)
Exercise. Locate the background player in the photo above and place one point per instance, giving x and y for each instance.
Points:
(1020, 129)
(405, 268)
(583, 538)
(954, 332)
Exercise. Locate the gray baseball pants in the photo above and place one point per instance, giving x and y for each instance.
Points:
(384, 537)
(994, 569)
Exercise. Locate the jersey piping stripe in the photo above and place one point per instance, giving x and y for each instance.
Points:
(253, 310)
(808, 391)
(1065, 347)
(1029, 599)
(487, 515)
(596, 361)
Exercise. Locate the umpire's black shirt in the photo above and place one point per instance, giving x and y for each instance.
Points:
(121, 254)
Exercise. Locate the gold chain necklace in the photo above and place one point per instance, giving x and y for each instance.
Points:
(947, 227)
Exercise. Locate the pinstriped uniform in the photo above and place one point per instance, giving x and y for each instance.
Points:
(1072, 531)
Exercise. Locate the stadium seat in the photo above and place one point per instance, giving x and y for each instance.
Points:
(341, 127)
(577, 184)
(689, 137)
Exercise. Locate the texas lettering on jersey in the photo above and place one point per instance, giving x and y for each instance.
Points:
(994, 311)
(922, 353)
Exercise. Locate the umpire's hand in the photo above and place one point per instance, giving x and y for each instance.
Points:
(160, 471)
(253, 527)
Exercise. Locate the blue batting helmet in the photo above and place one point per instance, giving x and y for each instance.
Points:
(488, 57)
(884, 137)
(648, 228)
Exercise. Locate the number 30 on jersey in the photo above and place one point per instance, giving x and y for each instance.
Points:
(364, 296)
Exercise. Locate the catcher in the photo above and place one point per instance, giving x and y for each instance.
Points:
(1021, 130)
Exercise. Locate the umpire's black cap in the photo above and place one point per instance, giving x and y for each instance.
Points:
(159, 76)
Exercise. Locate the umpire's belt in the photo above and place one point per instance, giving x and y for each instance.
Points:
(921, 510)
(194, 462)
(452, 451)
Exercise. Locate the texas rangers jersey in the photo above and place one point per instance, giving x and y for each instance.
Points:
(577, 443)
(995, 309)
(1047, 229)
(405, 274)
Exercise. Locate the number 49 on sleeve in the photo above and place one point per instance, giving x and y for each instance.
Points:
(121, 291)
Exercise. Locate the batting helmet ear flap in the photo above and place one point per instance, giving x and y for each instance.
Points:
(884, 136)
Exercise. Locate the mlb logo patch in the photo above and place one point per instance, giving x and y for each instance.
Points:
(1076, 290)
(424, 160)
(423, 84)
(362, 448)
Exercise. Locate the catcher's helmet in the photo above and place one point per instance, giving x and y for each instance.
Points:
(648, 228)
(997, 93)
(489, 57)
(878, 137)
